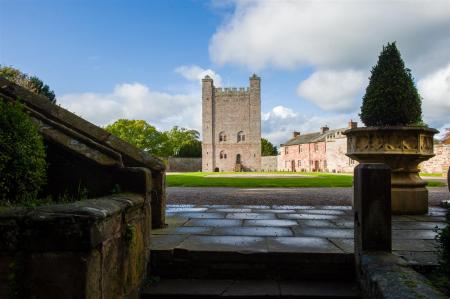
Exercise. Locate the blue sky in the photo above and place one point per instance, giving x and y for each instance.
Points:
(143, 59)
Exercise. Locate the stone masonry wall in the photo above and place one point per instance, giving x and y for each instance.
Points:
(95, 249)
(184, 164)
(230, 111)
(269, 163)
(337, 161)
(440, 162)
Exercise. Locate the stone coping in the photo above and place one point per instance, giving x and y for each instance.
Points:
(391, 128)
(37, 103)
(384, 275)
(75, 226)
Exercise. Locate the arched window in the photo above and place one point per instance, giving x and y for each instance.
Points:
(240, 136)
(223, 155)
(222, 136)
(238, 158)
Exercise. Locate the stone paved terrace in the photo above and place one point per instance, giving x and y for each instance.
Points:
(288, 229)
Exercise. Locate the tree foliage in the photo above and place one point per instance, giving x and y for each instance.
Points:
(267, 148)
(22, 155)
(391, 97)
(32, 83)
(190, 149)
(178, 141)
(140, 134)
(180, 137)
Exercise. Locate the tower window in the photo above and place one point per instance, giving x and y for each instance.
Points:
(240, 136)
(223, 155)
(222, 136)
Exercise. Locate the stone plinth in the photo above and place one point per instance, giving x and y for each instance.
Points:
(95, 248)
(402, 149)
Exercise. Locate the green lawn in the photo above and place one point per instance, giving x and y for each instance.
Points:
(199, 179)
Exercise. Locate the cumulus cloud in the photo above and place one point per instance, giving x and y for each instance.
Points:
(435, 91)
(333, 90)
(279, 123)
(196, 73)
(331, 34)
(136, 101)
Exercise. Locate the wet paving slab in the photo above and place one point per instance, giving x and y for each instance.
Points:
(289, 229)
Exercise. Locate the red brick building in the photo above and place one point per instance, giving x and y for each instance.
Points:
(322, 151)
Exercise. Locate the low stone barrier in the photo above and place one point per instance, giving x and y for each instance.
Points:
(96, 248)
(269, 163)
(176, 164)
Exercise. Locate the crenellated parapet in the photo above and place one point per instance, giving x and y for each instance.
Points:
(231, 91)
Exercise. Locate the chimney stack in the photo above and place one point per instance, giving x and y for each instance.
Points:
(324, 129)
(295, 134)
(352, 124)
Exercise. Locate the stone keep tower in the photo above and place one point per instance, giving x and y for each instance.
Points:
(231, 121)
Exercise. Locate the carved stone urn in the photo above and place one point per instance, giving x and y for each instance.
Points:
(402, 148)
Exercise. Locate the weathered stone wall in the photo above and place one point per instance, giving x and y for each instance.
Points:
(230, 111)
(337, 161)
(269, 163)
(89, 249)
(184, 164)
(440, 162)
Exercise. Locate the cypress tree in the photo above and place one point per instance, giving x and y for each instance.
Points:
(391, 97)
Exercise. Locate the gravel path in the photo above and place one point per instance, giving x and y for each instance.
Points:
(269, 196)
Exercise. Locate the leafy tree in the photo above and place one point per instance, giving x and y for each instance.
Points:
(391, 97)
(191, 149)
(141, 134)
(178, 137)
(31, 83)
(267, 148)
(22, 155)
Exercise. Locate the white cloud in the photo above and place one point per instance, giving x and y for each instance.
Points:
(279, 123)
(136, 101)
(196, 73)
(279, 112)
(330, 34)
(435, 91)
(333, 90)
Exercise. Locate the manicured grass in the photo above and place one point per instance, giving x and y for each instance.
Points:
(431, 174)
(200, 179)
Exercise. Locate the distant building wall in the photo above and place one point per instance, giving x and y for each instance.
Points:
(269, 163)
(177, 164)
(440, 162)
(336, 159)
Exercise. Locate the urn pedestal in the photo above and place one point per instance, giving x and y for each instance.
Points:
(402, 148)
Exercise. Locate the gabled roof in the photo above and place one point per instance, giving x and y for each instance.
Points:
(311, 137)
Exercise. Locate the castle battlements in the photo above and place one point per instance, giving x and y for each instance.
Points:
(231, 91)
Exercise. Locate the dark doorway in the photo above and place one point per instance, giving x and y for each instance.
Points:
(293, 165)
(238, 159)
(216, 169)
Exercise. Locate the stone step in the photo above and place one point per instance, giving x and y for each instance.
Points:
(208, 288)
(211, 257)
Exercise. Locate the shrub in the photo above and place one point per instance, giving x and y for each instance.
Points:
(391, 97)
(22, 155)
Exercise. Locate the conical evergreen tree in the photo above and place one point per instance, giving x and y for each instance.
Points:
(391, 97)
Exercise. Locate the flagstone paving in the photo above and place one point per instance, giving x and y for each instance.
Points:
(289, 228)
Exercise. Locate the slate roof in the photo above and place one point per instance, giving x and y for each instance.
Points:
(311, 137)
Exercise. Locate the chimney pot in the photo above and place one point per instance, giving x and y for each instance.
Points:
(324, 129)
(296, 134)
